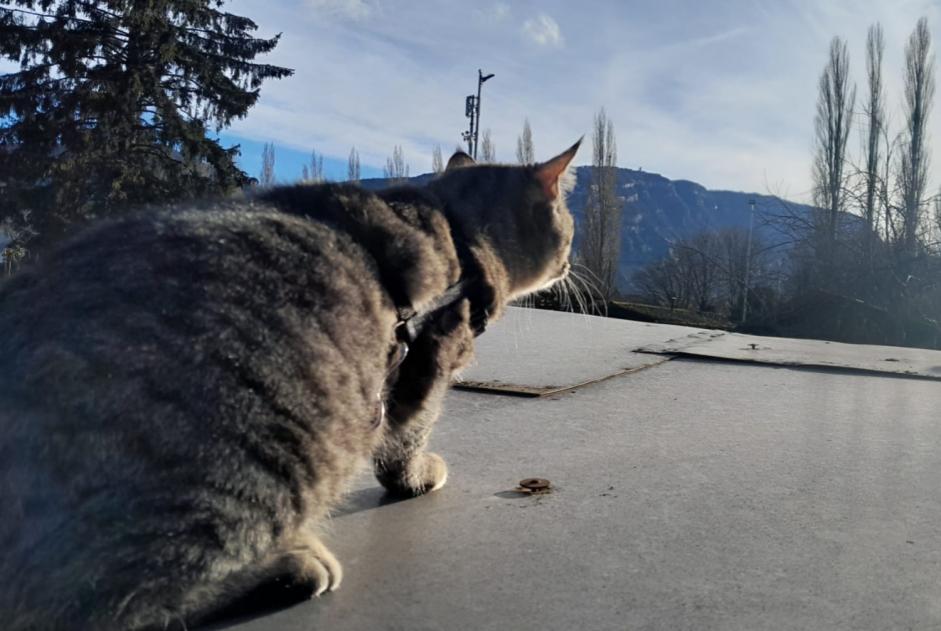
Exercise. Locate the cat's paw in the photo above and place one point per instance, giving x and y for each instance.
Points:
(427, 472)
(434, 472)
(301, 571)
(311, 570)
(325, 567)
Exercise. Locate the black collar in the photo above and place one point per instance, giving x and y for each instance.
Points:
(411, 322)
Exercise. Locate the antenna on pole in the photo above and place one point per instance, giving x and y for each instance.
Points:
(472, 111)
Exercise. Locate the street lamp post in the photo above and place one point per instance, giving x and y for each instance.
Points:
(751, 228)
(481, 79)
(472, 111)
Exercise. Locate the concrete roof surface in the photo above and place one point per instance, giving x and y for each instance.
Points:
(532, 352)
(691, 494)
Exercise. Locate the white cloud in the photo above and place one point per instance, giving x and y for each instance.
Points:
(352, 9)
(543, 30)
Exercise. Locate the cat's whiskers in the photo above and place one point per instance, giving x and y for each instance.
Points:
(587, 293)
(585, 296)
(591, 288)
(565, 296)
(572, 290)
(590, 278)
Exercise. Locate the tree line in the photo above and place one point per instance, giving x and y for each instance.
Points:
(396, 168)
(864, 264)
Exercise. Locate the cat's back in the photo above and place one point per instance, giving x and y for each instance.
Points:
(175, 274)
(175, 285)
(166, 374)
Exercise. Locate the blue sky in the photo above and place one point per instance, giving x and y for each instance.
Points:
(717, 92)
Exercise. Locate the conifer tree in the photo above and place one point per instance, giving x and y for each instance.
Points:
(115, 104)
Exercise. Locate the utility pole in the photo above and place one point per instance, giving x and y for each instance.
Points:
(472, 111)
(751, 228)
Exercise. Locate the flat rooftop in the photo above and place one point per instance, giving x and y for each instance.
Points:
(700, 480)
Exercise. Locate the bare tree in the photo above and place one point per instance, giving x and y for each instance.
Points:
(267, 165)
(525, 152)
(314, 172)
(601, 239)
(352, 166)
(700, 256)
(437, 162)
(875, 116)
(695, 263)
(396, 168)
(886, 190)
(661, 283)
(488, 150)
(832, 124)
(913, 168)
(937, 222)
(706, 272)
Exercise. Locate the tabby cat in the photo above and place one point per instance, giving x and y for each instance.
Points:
(186, 393)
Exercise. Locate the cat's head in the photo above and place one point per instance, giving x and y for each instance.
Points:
(517, 211)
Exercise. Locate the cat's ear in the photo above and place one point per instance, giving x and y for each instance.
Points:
(458, 160)
(550, 173)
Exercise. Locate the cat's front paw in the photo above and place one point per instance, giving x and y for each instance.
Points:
(434, 472)
(324, 568)
(425, 473)
(309, 570)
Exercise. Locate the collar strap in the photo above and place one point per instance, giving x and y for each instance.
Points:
(411, 322)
